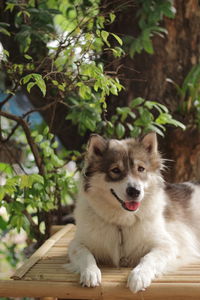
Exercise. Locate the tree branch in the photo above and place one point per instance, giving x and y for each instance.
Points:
(30, 140)
(5, 100)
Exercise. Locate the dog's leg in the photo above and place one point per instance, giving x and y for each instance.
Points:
(83, 262)
(151, 265)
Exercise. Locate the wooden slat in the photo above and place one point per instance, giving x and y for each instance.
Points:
(111, 291)
(71, 277)
(157, 291)
(63, 290)
(42, 251)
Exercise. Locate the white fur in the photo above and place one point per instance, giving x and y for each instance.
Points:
(151, 244)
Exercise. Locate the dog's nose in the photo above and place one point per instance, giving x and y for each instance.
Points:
(132, 192)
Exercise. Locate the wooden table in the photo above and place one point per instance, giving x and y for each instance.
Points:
(43, 275)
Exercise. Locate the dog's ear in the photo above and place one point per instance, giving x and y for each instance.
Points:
(96, 146)
(150, 142)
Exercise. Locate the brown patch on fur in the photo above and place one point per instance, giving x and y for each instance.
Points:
(111, 158)
(123, 156)
(152, 161)
(179, 200)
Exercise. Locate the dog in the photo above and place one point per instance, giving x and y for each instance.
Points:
(127, 215)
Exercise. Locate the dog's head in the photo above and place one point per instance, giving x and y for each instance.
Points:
(121, 171)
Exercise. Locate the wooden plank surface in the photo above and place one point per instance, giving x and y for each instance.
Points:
(44, 275)
(43, 250)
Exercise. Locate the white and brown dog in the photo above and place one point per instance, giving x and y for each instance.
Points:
(127, 215)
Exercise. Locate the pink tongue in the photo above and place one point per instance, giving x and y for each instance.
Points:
(132, 205)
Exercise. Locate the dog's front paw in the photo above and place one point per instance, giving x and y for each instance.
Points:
(90, 277)
(139, 279)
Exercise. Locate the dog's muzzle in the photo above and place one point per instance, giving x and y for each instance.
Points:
(128, 205)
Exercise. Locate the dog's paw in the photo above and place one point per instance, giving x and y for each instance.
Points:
(90, 277)
(139, 279)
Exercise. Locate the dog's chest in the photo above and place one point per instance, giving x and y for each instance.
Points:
(131, 247)
(116, 245)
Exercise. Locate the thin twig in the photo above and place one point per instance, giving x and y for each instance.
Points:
(47, 106)
(5, 100)
(11, 133)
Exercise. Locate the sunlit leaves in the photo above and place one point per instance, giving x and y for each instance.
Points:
(34, 79)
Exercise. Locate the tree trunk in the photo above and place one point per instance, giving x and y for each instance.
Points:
(174, 57)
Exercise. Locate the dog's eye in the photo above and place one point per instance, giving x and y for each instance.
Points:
(141, 169)
(116, 171)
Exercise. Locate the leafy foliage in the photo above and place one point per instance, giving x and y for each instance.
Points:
(138, 118)
(189, 93)
(149, 15)
(33, 192)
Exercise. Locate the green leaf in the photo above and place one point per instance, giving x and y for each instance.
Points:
(153, 104)
(130, 126)
(25, 181)
(117, 38)
(4, 31)
(114, 90)
(2, 193)
(6, 52)
(55, 145)
(26, 79)
(136, 131)
(146, 116)
(148, 46)
(38, 138)
(28, 180)
(30, 85)
(28, 57)
(41, 84)
(90, 124)
(165, 118)
(47, 151)
(46, 131)
(37, 178)
(36, 80)
(168, 9)
(101, 20)
(12, 182)
(136, 102)
(3, 224)
(10, 6)
(156, 129)
(34, 133)
(112, 17)
(61, 87)
(120, 130)
(132, 115)
(105, 35)
(6, 168)
(55, 82)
